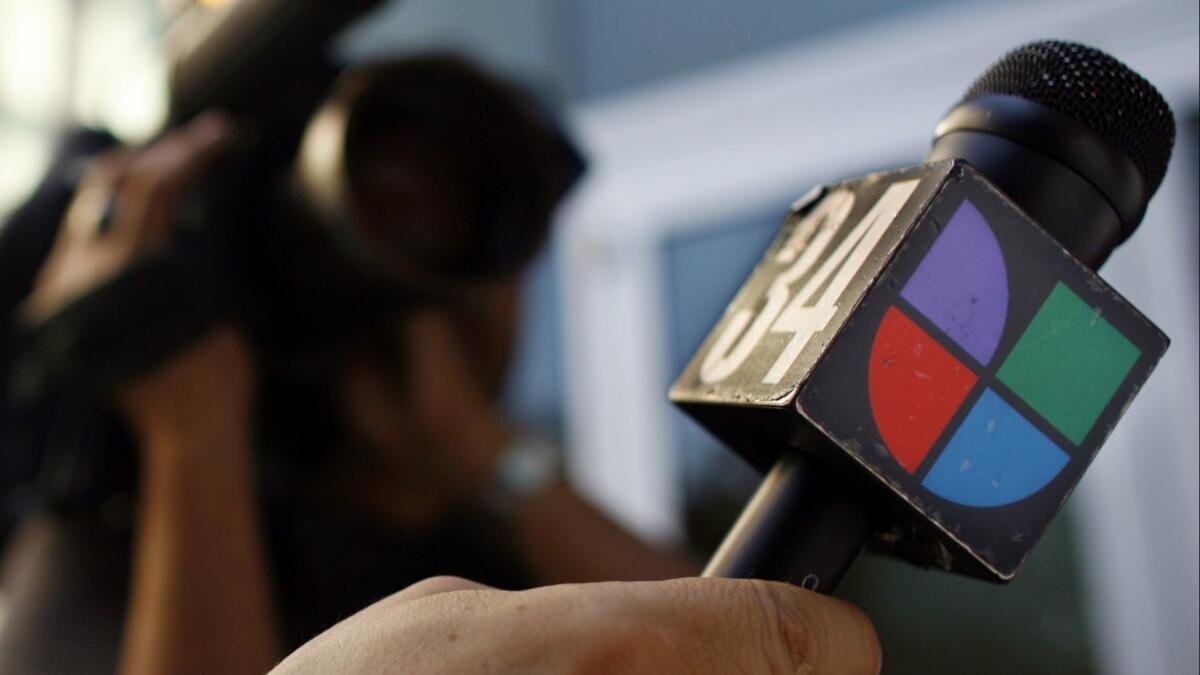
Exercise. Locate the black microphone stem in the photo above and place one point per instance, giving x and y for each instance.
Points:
(804, 525)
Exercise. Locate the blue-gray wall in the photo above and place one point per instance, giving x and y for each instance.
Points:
(618, 44)
(579, 49)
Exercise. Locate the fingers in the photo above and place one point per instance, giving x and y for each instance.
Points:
(124, 205)
(432, 334)
(686, 625)
(830, 634)
(723, 625)
(446, 394)
(95, 192)
(156, 178)
(143, 187)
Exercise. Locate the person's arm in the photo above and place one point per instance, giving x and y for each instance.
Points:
(448, 625)
(199, 599)
(560, 535)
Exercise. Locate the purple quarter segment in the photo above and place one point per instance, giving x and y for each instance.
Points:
(962, 286)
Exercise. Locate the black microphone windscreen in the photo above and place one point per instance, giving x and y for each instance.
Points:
(1094, 88)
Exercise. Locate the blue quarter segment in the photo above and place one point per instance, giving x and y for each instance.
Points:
(996, 457)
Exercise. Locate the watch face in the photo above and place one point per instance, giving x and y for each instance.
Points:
(529, 465)
(982, 372)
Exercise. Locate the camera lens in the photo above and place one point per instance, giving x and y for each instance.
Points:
(434, 172)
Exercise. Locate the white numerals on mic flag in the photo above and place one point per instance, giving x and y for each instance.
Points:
(813, 305)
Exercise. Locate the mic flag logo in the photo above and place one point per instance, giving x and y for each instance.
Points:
(1029, 415)
(980, 374)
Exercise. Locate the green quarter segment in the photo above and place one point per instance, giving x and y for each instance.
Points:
(1069, 363)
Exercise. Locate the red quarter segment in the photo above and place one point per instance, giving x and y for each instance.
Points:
(915, 386)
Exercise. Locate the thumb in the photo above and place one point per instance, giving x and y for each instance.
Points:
(759, 626)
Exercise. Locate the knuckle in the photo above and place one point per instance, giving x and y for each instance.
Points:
(140, 183)
(725, 627)
(441, 584)
(787, 630)
(155, 170)
(814, 633)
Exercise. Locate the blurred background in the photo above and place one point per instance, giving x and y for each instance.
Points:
(702, 121)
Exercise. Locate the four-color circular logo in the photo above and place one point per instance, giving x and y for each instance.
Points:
(975, 427)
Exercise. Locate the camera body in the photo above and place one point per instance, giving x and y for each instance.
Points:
(348, 195)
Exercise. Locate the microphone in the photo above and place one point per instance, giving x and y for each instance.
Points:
(925, 359)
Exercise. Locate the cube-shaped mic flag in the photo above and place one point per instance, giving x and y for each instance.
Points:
(923, 337)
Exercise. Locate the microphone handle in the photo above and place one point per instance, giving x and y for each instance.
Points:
(805, 525)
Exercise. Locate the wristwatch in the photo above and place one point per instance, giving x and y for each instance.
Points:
(528, 467)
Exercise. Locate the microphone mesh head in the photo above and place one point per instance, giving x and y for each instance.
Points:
(1095, 89)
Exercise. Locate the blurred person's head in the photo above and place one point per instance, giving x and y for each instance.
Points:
(445, 182)
(451, 179)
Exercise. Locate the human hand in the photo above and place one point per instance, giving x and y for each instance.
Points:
(425, 412)
(450, 405)
(124, 208)
(200, 401)
(448, 625)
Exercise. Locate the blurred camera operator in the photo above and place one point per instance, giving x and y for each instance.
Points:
(229, 571)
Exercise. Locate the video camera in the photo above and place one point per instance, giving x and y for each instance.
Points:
(351, 193)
